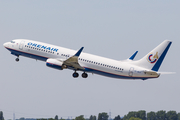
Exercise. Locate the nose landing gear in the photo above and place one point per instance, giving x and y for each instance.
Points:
(17, 59)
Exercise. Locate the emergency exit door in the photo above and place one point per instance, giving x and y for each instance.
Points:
(131, 70)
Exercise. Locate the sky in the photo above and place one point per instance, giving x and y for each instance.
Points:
(113, 29)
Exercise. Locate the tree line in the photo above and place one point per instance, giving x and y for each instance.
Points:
(159, 115)
(132, 115)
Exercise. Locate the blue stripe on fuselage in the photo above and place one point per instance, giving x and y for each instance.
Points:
(113, 75)
(16, 52)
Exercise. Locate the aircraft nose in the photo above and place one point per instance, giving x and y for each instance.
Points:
(5, 44)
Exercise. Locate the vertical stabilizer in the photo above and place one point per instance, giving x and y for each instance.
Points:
(154, 59)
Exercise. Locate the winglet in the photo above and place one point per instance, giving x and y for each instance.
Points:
(133, 56)
(79, 52)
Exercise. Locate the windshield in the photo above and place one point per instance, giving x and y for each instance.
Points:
(12, 41)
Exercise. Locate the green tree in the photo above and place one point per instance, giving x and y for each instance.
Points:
(178, 116)
(171, 115)
(141, 114)
(131, 114)
(22, 118)
(133, 118)
(92, 117)
(151, 116)
(125, 117)
(1, 115)
(56, 117)
(117, 117)
(161, 115)
(81, 117)
(42, 119)
(103, 116)
(50, 119)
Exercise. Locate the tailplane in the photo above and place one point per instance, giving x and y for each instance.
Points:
(154, 59)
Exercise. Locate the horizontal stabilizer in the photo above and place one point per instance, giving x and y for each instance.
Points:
(165, 73)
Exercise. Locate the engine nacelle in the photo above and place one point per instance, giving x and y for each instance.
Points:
(54, 63)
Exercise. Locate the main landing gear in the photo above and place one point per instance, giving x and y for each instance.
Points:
(75, 75)
(84, 75)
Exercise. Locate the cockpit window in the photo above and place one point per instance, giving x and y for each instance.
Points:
(12, 42)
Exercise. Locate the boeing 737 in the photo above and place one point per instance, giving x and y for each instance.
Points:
(62, 58)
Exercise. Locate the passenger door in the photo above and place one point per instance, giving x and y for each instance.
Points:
(21, 45)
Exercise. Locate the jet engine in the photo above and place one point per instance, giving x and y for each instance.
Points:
(54, 63)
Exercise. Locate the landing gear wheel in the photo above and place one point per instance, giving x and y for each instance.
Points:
(17, 59)
(75, 75)
(84, 75)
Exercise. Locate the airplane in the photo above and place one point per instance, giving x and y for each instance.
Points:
(63, 58)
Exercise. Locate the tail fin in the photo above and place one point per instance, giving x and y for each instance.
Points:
(154, 59)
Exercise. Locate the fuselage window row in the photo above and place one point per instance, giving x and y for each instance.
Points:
(39, 49)
(101, 64)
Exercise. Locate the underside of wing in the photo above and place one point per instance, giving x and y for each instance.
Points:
(73, 61)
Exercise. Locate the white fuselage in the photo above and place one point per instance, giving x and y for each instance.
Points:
(91, 63)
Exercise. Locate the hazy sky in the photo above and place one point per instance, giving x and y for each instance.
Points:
(113, 29)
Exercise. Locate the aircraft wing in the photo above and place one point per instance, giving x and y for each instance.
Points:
(73, 61)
